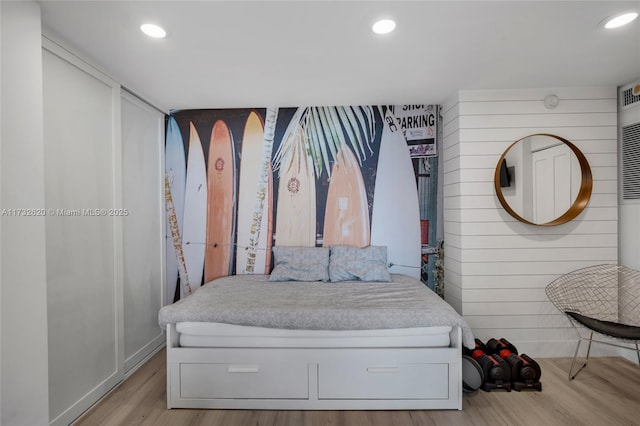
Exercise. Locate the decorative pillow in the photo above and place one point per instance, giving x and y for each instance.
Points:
(300, 264)
(347, 263)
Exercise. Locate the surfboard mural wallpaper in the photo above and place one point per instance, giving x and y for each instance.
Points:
(309, 176)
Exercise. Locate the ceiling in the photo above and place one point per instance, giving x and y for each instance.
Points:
(223, 54)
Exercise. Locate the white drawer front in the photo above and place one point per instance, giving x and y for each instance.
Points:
(272, 381)
(403, 381)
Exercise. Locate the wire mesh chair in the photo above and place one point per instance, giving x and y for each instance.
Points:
(604, 299)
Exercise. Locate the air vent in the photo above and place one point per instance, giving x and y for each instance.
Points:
(631, 162)
(630, 95)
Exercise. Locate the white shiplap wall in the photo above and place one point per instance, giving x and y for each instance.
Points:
(496, 267)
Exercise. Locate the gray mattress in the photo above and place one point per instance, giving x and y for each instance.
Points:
(351, 305)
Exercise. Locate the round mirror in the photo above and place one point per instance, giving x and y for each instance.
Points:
(543, 179)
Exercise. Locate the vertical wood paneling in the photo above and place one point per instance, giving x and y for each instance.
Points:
(499, 267)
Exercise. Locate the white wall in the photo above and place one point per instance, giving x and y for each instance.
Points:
(23, 321)
(630, 234)
(497, 268)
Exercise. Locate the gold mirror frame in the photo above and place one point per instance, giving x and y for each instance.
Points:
(581, 201)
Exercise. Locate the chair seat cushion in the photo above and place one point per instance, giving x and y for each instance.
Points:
(614, 329)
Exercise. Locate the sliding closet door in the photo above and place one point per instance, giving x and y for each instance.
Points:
(83, 233)
(142, 142)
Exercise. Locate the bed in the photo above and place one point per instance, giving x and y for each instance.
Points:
(246, 342)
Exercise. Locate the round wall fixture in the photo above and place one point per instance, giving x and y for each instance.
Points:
(551, 101)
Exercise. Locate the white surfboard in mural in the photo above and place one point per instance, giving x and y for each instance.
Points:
(195, 211)
(395, 219)
(176, 172)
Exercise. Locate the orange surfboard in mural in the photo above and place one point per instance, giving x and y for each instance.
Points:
(220, 203)
(346, 219)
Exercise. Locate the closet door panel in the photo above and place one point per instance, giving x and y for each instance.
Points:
(82, 235)
(142, 143)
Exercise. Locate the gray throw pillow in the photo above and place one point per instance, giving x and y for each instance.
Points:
(300, 264)
(347, 263)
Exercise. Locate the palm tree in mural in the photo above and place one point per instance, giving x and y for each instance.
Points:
(271, 117)
(313, 141)
(325, 129)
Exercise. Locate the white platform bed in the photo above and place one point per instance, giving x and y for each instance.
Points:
(237, 343)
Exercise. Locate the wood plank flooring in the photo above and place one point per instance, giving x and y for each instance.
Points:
(606, 393)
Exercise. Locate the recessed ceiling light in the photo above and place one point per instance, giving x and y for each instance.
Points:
(384, 26)
(620, 20)
(153, 30)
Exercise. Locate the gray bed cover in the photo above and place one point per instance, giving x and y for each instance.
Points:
(351, 305)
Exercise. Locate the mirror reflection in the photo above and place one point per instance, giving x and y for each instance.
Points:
(543, 179)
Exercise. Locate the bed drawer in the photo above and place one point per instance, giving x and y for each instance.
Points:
(389, 381)
(255, 381)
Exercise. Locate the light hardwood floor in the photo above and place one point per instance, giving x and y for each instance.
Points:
(606, 393)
